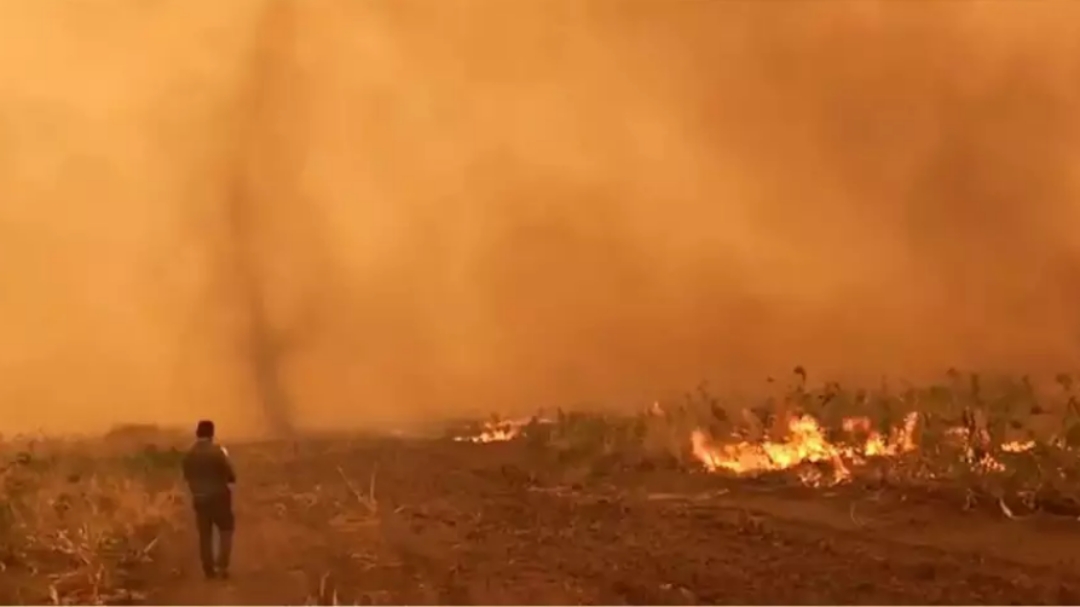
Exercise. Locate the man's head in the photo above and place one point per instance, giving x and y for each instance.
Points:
(205, 430)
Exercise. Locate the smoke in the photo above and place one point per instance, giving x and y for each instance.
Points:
(353, 214)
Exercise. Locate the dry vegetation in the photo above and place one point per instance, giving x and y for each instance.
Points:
(79, 517)
(105, 521)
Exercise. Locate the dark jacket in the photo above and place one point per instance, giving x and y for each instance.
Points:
(208, 471)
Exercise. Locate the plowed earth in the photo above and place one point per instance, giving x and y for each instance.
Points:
(500, 524)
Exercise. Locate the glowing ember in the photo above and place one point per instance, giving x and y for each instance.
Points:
(806, 443)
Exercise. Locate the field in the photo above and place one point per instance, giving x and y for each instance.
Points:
(964, 492)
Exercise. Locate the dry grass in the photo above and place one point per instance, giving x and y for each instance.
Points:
(87, 521)
(79, 518)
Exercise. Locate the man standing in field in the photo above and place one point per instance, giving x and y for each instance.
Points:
(209, 474)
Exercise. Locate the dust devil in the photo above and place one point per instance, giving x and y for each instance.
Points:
(209, 474)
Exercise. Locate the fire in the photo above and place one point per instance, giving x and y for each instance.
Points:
(1018, 446)
(495, 431)
(805, 443)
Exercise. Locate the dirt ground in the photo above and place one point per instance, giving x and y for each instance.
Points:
(501, 524)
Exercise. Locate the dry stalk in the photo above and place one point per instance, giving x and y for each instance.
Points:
(1009, 513)
(325, 595)
(855, 519)
(368, 501)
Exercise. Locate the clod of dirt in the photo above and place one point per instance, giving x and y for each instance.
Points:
(749, 524)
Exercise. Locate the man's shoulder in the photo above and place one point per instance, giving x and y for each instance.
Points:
(216, 450)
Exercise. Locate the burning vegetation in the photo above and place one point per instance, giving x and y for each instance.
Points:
(1000, 439)
(498, 430)
(806, 444)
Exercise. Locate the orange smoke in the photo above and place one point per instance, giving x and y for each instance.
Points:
(459, 207)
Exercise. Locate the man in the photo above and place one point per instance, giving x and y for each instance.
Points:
(209, 474)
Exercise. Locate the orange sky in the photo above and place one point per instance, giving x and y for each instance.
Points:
(466, 207)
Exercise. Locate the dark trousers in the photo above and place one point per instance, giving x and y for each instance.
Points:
(215, 512)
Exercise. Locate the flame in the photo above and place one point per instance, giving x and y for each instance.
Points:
(1018, 446)
(805, 443)
(494, 431)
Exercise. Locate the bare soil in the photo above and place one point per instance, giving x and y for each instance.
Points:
(503, 524)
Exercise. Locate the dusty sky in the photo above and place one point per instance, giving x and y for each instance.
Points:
(479, 205)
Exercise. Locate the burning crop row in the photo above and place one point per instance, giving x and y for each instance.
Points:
(499, 430)
(806, 443)
(804, 446)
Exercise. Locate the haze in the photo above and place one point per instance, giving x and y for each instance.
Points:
(454, 208)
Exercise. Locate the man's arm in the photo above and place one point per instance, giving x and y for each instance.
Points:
(226, 464)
